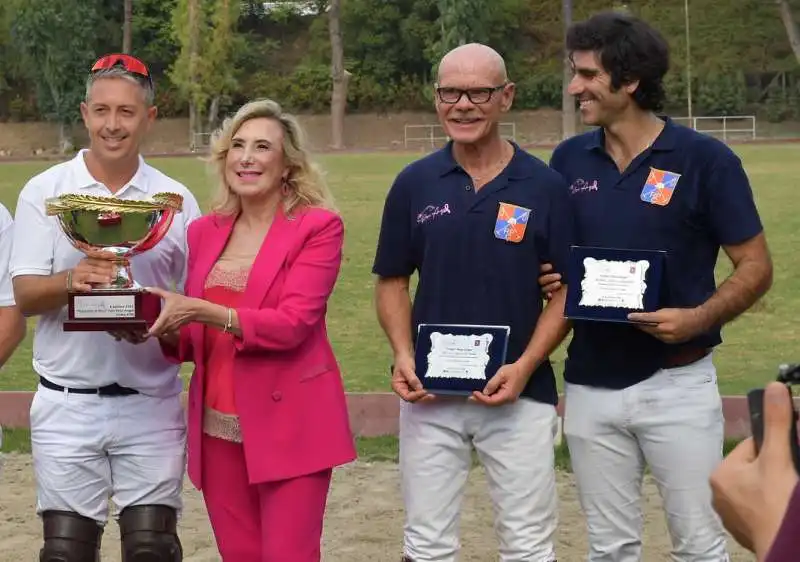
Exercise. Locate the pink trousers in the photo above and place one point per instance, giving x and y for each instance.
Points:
(271, 522)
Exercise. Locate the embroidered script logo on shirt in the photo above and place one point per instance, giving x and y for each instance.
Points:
(432, 211)
(581, 185)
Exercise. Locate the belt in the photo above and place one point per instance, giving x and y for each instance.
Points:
(107, 390)
(685, 356)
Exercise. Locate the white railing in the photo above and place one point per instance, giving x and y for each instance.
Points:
(724, 126)
(200, 141)
(433, 135)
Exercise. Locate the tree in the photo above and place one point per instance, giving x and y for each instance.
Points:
(460, 22)
(339, 74)
(186, 23)
(792, 33)
(57, 41)
(126, 26)
(203, 72)
(12, 68)
(567, 101)
(216, 69)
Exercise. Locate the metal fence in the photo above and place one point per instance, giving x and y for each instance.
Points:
(726, 127)
(433, 135)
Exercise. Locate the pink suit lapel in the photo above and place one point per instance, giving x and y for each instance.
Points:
(270, 258)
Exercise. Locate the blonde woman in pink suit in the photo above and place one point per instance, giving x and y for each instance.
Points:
(267, 412)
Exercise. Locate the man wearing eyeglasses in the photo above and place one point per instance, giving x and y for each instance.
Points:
(474, 220)
(106, 419)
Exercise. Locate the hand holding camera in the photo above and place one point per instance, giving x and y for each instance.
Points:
(788, 375)
(753, 486)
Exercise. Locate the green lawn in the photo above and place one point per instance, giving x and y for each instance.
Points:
(754, 345)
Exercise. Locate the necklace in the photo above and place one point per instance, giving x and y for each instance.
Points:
(622, 161)
(489, 172)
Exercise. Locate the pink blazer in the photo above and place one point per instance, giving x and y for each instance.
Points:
(288, 388)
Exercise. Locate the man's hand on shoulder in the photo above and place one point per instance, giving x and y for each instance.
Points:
(549, 281)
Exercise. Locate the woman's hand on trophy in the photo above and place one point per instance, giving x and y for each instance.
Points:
(89, 272)
(176, 311)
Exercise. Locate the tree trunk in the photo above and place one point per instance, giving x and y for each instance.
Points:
(192, 125)
(194, 117)
(213, 114)
(127, 26)
(65, 144)
(339, 75)
(791, 27)
(567, 101)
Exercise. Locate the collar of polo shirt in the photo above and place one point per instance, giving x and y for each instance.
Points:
(85, 180)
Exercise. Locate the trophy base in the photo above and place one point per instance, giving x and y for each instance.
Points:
(109, 310)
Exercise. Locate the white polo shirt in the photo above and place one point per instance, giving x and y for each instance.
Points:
(92, 359)
(6, 240)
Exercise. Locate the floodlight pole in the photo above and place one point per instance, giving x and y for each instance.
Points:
(688, 64)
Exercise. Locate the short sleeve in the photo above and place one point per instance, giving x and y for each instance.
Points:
(729, 201)
(560, 229)
(35, 236)
(6, 245)
(393, 257)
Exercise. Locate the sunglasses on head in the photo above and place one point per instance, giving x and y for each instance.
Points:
(128, 63)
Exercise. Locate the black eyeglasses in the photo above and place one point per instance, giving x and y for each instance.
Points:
(474, 95)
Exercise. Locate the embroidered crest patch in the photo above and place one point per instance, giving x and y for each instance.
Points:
(511, 222)
(659, 187)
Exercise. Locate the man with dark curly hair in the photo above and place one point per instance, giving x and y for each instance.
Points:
(644, 392)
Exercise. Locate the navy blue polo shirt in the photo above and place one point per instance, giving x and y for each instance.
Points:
(704, 201)
(436, 224)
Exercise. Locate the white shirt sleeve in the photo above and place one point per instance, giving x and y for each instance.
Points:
(6, 245)
(34, 236)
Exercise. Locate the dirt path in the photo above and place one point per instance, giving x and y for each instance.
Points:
(364, 521)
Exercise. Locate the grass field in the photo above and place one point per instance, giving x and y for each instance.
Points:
(754, 345)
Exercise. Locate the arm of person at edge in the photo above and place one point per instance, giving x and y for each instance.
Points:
(757, 496)
(306, 289)
(12, 322)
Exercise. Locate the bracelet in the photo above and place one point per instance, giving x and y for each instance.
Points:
(229, 323)
(69, 280)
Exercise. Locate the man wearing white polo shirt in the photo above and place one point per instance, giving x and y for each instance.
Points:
(12, 323)
(106, 419)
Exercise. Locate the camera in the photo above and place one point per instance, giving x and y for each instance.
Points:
(788, 374)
